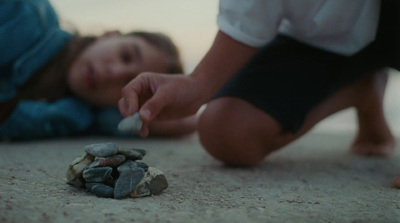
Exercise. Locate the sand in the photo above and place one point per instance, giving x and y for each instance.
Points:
(314, 179)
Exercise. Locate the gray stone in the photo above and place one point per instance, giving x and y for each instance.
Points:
(132, 153)
(142, 151)
(153, 183)
(77, 182)
(131, 124)
(77, 166)
(142, 165)
(108, 161)
(129, 164)
(130, 176)
(100, 190)
(98, 175)
(101, 149)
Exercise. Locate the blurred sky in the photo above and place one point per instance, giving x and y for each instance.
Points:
(192, 25)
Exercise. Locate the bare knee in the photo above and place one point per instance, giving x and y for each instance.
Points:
(230, 150)
(236, 139)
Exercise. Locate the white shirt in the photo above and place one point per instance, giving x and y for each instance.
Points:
(340, 26)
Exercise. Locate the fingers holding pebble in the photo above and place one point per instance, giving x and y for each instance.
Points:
(129, 103)
(123, 107)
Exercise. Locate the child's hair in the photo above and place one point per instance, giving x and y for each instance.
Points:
(165, 44)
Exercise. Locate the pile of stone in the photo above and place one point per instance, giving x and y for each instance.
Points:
(112, 172)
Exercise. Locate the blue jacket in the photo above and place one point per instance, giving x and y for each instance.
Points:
(30, 36)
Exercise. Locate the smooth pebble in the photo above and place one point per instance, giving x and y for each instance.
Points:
(132, 153)
(101, 149)
(131, 124)
(108, 161)
(77, 166)
(127, 181)
(153, 183)
(100, 190)
(98, 175)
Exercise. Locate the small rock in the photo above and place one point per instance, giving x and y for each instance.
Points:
(132, 164)
(77, 182)
(101, 149)
(129, 164)
(131, 124)
(142, 165)
(98, 175)
(126, 182)
(108, 161)
(77, 166)
(130, 175)
(154, 182)
(132, 153)
(100, 190)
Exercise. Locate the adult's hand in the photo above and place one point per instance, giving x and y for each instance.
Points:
(162, 97)
(166, 97)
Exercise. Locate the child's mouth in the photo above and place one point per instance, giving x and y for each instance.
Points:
(90, 77)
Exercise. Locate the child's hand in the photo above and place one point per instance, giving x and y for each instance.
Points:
(161, 97)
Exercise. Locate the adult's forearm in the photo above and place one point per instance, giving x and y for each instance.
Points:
(225, 57)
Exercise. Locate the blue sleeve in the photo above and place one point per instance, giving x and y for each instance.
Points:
(22, 25)
(37, 119)
(107, 122)
(11, 14)
(30, 36)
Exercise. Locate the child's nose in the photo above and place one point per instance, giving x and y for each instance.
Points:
(118, 71)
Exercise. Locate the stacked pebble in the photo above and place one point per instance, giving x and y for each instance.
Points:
(109, 171)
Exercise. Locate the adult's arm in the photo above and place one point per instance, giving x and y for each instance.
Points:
(169, 97)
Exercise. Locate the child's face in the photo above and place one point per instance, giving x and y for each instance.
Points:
(106, 66)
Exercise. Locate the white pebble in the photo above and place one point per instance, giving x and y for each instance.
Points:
(130, 124)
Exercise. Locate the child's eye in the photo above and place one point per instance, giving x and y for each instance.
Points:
(126, 55)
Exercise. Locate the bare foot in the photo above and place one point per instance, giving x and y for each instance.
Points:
(374, 147)
(374, 137)
(397, 182)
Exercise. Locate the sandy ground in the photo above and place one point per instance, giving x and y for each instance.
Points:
(314, 179)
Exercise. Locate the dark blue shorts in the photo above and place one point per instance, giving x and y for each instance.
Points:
(287, 78)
